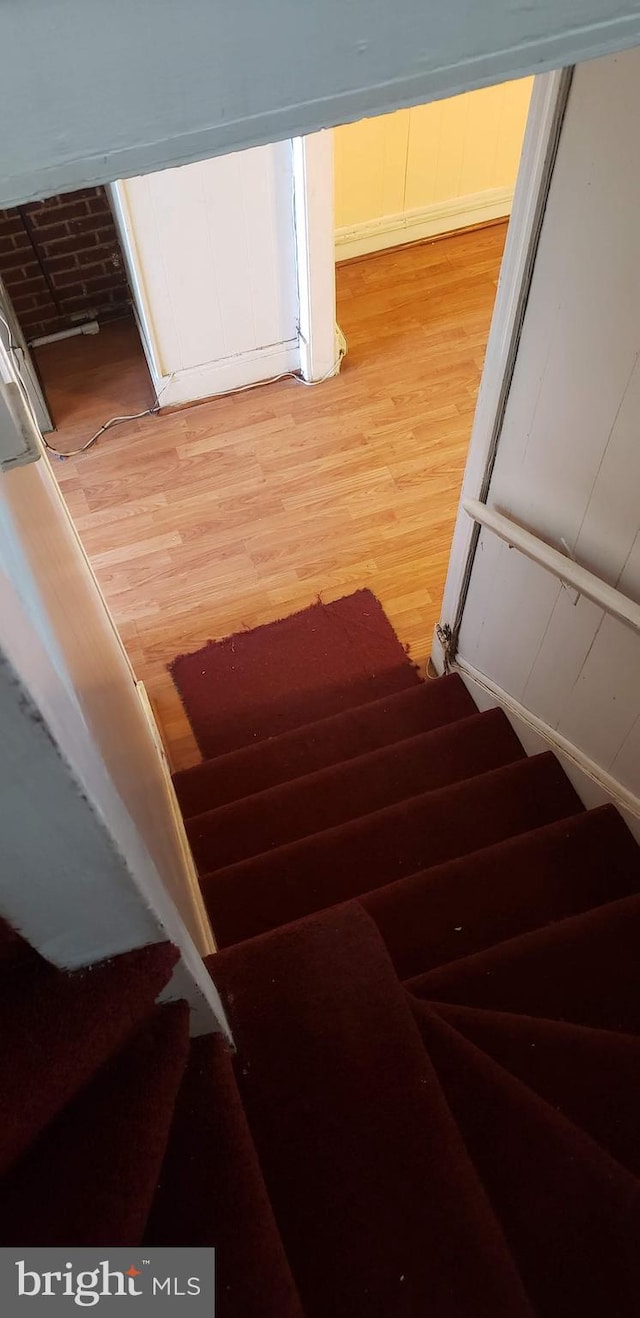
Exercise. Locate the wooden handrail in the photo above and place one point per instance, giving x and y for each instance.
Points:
(552, 560)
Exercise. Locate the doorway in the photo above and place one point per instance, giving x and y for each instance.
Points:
(202, 521)
(67, 312)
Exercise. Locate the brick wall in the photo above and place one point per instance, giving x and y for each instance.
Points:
(61, 262)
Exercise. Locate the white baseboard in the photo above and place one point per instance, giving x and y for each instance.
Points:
(594, 785)
(422, 222)
(222, 377)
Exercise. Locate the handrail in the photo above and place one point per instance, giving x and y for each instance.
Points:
(552, 560)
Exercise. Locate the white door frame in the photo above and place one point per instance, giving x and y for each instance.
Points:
(544, 124)
(314, 220)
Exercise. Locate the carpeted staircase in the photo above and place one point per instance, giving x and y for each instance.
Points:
(429, 958)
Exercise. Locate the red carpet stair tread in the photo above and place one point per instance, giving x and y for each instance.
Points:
(430, 963)
(255, 895)
(65, 1027)
(375, 1196)
(266, 763)
(356, 787)
(583, 969)
(306, 667)
(571, 1213)
(524, 883)
(91, 1177)
(592, 1076)
(212, 1190)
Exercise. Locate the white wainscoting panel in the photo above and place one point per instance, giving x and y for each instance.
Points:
(568, 463)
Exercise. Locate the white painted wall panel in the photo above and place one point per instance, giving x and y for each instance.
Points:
(568, 464)
(561, 653)
(605, 697)
(213, 250)
(93, 863)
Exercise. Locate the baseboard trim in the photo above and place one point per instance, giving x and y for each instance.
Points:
(206, 942)
(422, 222)
(197, 383)
(593, 784)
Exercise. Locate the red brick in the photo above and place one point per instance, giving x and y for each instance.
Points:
(72, 293)
(29, 314)
(35, 284)
(78, 304)
(82, 194)
(13, 268)
(87, 224)
(104, 282)
(99, 205)
(49, 204)
(102, 252)
(10, 255)
(68, 261)
(21, 304)
(20, 241)
(42, 220)
(10, 224)
(106, 229)
(19, 257)
(38, 328)
(32, 312)
(41, 298)
(54, 234)
(66, 242)
(78, 275)
(102, 266)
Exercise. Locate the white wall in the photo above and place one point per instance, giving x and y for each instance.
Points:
(212, 256)
(92, 861)
(91, 91)
(429, 170)
(568, 464)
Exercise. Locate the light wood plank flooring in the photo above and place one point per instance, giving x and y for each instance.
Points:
(241, 510)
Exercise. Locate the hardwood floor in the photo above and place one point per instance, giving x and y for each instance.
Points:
(238, 511)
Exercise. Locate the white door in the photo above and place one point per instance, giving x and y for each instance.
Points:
(563, 452)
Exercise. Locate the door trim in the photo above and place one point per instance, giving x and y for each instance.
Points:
(314, 222)
(544, 125)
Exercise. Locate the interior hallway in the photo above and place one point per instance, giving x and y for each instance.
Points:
(235, 512)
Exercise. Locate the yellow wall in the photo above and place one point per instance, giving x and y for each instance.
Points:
(446, 159)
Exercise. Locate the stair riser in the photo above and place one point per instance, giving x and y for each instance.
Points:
(358, 787)
(316, 746)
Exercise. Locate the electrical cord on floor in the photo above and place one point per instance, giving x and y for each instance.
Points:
(151, 411)
(113, 421)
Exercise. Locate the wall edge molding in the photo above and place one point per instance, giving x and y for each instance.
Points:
(422, 222)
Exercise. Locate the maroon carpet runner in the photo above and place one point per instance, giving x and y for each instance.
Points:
(430, 963)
